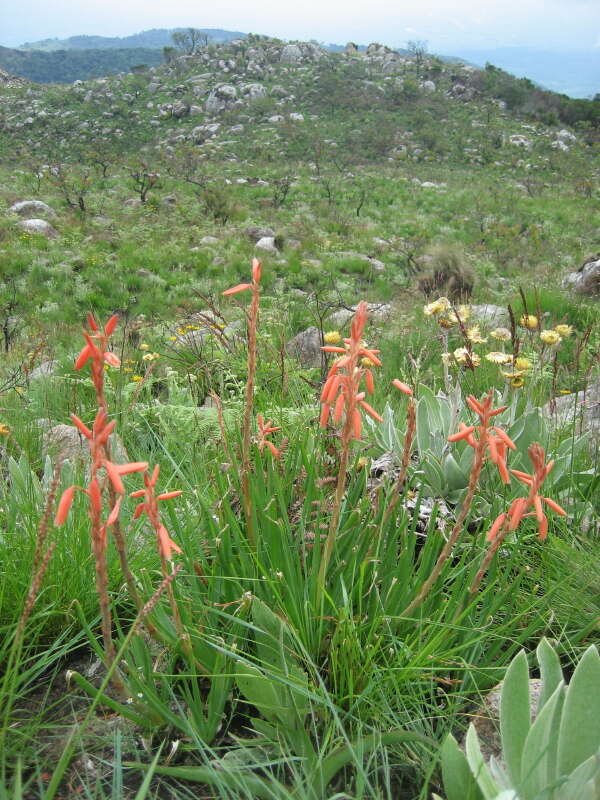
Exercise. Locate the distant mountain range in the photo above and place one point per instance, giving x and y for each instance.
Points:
(157, 37)
(66, 66)
(576, 74)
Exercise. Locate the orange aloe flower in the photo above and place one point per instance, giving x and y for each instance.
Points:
(518, 509)
(241, 287)
(166, 545)
(264, 429)
(341, 391)
(497, 441)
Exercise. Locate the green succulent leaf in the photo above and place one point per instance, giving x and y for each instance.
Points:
(515, 717)
(488, 786)
(459, 783)
(550, 669)
(538, 767)
(580, 730)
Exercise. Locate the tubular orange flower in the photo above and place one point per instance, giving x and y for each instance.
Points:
(496, 440)
(241, 287)
(264, 429)
(402, 387)
(64, 506)
(498, 523)
(342, 387)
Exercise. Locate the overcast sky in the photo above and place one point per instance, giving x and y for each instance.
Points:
(447, 25)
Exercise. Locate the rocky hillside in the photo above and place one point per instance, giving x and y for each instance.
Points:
(366, 168)
(265, 83)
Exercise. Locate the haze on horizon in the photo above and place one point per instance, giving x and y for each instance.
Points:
(447, 26)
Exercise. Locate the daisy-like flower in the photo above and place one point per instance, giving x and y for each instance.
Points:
(522, 363)
(501, 334)
(564, 330)
(462, 356)
(474, 335)
(498, 358)
(550, 337)
(332, 337)
(529, 321)
(437, 307)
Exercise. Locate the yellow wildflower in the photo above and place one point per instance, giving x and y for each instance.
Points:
(564, 330)
(529, 321)
(127, 369)
(144, 346)
(522, 363)
(4, 430)
(461, 314)
(502, 334)
(463, 356)
(332, 337)
(474, 335)
(445, 322)
(550, 337)
(172, 338)
(499, 358)
(366, 362)
(439, 305)
(517, 382)
(137, 378)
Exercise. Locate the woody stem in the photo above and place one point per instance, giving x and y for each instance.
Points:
(247, 421)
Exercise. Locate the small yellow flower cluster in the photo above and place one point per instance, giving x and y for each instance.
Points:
(529, 321)
(144, 346)
(550, 337)
(437, 307)
(332, 337)
(564, 330)
(461, 356)
(150, 356)
(137, 378)
(474, 335)
(4, 430)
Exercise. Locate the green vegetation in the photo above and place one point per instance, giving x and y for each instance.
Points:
(334, 580)
(66, 66)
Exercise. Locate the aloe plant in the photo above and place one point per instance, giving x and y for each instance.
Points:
(555, 757)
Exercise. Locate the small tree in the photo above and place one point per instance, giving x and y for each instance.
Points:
(73, 182)
(417, 49)
(142, 178)
(190, 40)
